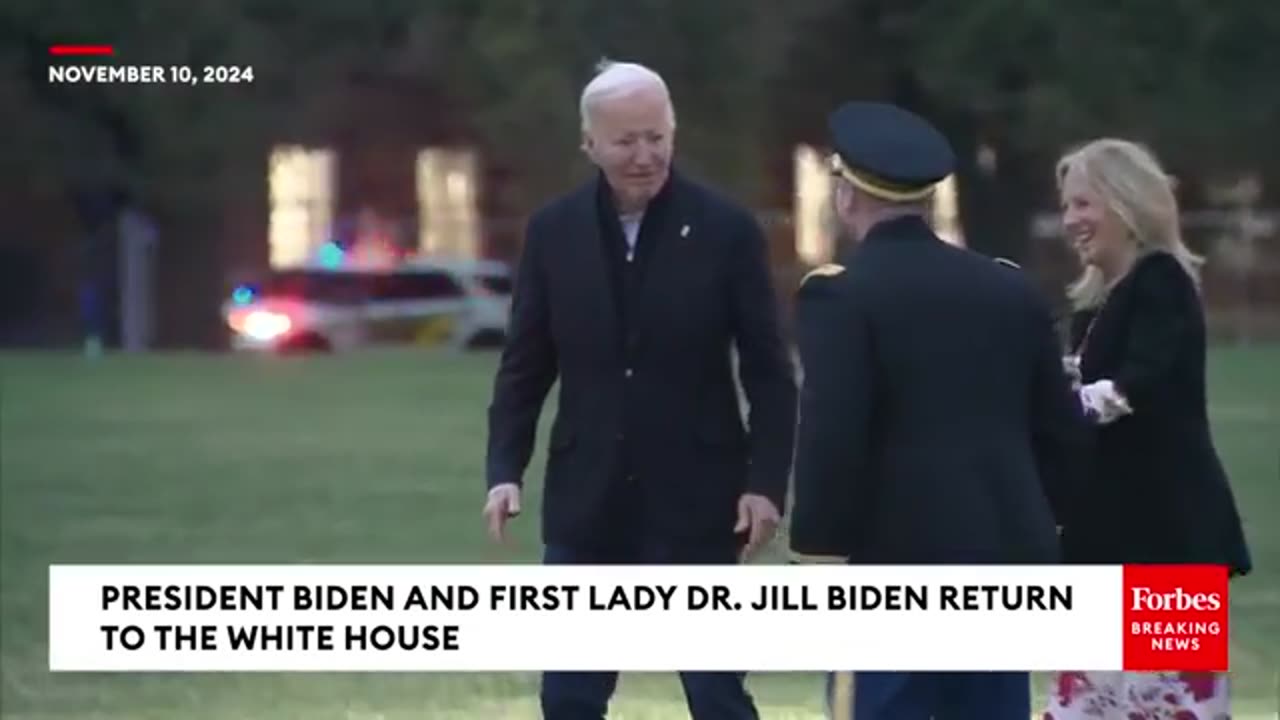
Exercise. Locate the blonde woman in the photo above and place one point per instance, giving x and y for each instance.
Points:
(1158, 492)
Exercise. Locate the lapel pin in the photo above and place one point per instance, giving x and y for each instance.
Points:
(684, 231)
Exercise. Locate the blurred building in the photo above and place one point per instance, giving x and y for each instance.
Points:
(393, 168)
(394, 162)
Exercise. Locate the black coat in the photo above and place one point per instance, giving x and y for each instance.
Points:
(1158, 492)
(648, 438)
(936, 422)
(1078, 327)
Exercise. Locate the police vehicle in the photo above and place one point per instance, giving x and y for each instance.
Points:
(462, 304)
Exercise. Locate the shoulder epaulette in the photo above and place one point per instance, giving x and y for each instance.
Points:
(827, 270)
(1009, 263)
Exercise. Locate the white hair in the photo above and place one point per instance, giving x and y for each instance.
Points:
(621, 78)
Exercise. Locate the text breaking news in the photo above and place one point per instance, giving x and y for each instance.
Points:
(267, 618)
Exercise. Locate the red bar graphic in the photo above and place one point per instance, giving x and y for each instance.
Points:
(82, 50)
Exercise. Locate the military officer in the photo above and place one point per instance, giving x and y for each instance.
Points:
(936, 423)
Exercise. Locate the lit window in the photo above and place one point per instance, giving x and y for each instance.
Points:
(300, 182)
(946, 212)
(814, 228)
(448, 218)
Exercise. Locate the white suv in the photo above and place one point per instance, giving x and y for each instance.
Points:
(463, 304)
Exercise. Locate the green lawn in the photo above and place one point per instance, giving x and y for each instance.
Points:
(373, 458)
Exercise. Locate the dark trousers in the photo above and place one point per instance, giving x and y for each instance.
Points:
(586, 695)
(930, 696)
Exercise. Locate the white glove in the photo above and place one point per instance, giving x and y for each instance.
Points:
(1102, 402)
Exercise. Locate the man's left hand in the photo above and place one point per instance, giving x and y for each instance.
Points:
(758, 517)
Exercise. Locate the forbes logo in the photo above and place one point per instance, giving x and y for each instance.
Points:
(1147, 599)
(1175, 618)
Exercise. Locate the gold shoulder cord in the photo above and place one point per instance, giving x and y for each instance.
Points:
(827, 270)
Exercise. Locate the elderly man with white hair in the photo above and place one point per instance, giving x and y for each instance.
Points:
(632, 291)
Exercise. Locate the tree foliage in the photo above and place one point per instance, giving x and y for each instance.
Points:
(513, 67)
(1029, 77)
(1196, 80)
(1192, 78)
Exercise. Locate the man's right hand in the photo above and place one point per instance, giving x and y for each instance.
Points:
(503, 503)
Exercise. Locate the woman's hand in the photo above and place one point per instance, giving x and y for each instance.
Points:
(1103, 402)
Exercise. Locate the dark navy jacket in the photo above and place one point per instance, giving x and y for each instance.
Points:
(648, 437)
(1158, 492)
(936, 422)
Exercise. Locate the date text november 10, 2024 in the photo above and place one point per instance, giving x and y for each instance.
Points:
(150, 74)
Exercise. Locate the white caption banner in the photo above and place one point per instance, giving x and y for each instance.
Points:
(627, 618)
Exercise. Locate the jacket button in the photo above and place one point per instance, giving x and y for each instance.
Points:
(630, 372)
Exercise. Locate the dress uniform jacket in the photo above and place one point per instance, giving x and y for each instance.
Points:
(648, 437)
(936, 422)
(1158, 492)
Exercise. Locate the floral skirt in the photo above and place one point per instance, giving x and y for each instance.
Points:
(1138, 696)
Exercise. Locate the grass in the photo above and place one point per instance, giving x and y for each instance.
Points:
(375, 458)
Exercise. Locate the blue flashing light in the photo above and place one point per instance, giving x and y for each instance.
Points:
(331, 255)
(242, 295)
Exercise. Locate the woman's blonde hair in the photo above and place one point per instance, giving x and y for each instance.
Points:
(1130, 181)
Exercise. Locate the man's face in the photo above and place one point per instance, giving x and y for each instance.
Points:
(630, 138)
(847, 209)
